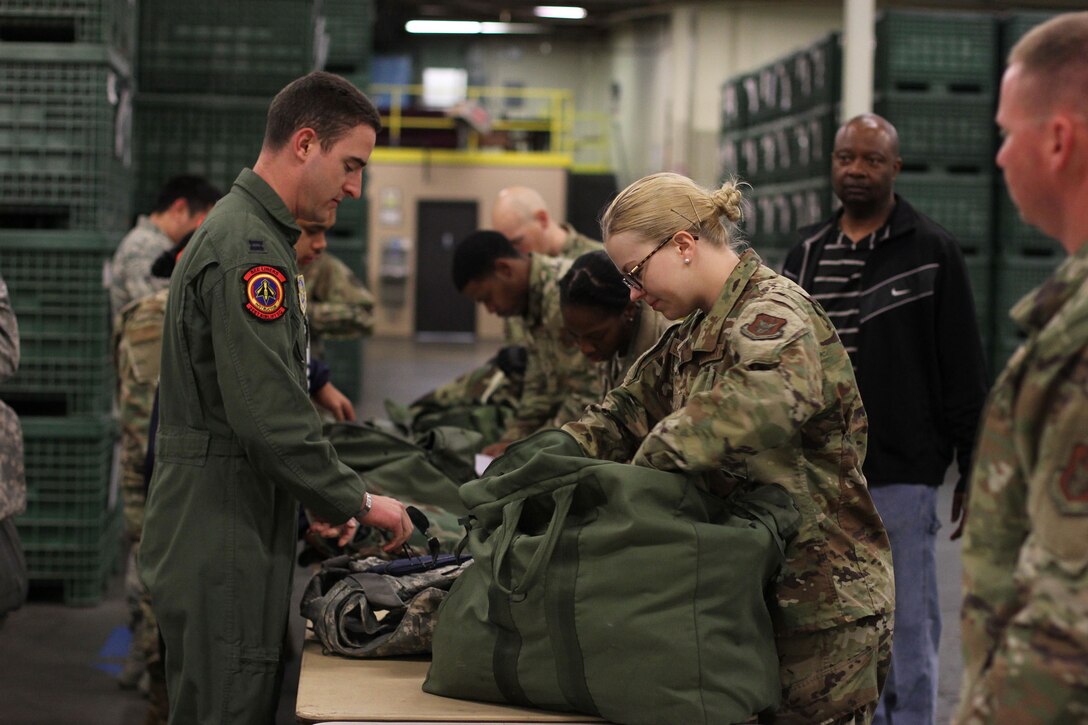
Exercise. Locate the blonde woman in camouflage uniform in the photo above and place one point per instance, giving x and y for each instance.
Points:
(754, 385)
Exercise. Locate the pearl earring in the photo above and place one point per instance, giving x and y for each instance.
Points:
(687, 261)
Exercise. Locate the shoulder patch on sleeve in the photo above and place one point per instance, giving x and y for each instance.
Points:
(764, 327)
(265, 292)
(1073, 481)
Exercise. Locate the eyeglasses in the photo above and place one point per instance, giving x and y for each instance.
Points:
(631, 277)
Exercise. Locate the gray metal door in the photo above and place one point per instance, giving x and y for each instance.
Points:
(441, 311)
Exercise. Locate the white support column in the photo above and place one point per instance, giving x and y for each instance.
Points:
(858, 45)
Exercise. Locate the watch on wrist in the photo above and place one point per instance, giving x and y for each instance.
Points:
(368, 503)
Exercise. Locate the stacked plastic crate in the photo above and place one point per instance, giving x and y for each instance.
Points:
(65, 192)
(778, 126)
(206, 73)
(349, 30)
(1024, 257)
(936, 80)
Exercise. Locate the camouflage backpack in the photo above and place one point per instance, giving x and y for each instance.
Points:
(369, 607)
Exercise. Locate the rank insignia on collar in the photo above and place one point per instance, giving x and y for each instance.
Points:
(301, 282)
(764, 327)
(264, 292)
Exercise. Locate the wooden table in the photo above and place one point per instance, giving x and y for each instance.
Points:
(334, 689)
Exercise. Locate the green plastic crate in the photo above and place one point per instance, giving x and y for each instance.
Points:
(68, 462)
(774, 212)
(919, 50)
(730, 162)
(792, 148)
(733, 106)
(55, 281)
(942, 130)
(961, 203)
(244, 47)
(980, 272)
(1014, 278)
(105, 22)
(1014, 236)
(211, 136)
(81, 570)
(345, 361)
(65, 120)
(1016, 26)
(349, 25)
(816, 74)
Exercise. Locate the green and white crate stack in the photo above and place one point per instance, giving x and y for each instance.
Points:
(65, 201)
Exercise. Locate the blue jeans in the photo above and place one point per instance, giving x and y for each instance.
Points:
(910, 516)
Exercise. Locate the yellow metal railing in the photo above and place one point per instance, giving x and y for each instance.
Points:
(537, 110)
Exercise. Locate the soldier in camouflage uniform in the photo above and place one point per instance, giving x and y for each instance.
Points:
(602, 320)
(13, 578)
(1025, 550)
(520, 215)
(754, 385)
(338, 305)
(182, 204)
(559, 380)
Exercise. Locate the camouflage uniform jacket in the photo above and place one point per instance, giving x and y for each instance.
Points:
(578, 244)
(1025, 550)
(559, 380)
(12, 477)
(651, 326)
(138, 349)
(761, 389)
(130, 272)
(338, 305)
(575, 246)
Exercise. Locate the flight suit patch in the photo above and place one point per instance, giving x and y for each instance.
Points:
(764, 327)
(264, 292)
(1073, 482)
(301, 282)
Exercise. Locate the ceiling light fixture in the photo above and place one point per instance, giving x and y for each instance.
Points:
(469, 27)
(562, 12)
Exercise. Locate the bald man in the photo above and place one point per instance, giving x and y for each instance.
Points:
(895, 284)
(521, 215)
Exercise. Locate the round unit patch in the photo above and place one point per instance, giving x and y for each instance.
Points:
(264, 292)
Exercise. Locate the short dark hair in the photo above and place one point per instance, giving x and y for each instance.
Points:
(593, 281)
(327, 103)
(198, 194)
(475, 256)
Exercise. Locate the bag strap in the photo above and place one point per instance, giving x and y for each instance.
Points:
(511, 517)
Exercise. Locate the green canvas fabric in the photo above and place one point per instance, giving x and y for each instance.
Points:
(613, 590)
(425, 471)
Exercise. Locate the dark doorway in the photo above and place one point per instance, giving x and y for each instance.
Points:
(442, 313)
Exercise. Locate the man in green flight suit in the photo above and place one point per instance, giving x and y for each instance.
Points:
(239, 442)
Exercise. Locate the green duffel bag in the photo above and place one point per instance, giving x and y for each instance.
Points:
(427, 469)
(613, 590)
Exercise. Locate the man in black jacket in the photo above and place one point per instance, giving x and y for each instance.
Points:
(895, 284)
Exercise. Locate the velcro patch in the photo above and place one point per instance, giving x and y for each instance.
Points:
(764, 327)
(301, 282)
(256, 245)
(1074, 478)
(264, 292)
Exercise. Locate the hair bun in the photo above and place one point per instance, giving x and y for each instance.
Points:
(727, 200)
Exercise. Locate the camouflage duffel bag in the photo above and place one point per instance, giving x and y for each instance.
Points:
(369, 607)
(613, 590)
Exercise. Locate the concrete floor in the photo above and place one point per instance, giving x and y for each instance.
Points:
(57, 663)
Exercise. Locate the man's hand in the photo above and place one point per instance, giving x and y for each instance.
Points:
(344, 533)
(959, 513)
(389, 515)
(332, 400)
(496, 449)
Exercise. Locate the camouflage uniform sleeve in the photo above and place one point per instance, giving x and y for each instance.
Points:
(340, 305)
(9, 335)
(538, 401)
(755, 404)
(132, 267)
(1025, 610)
(613, 429)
